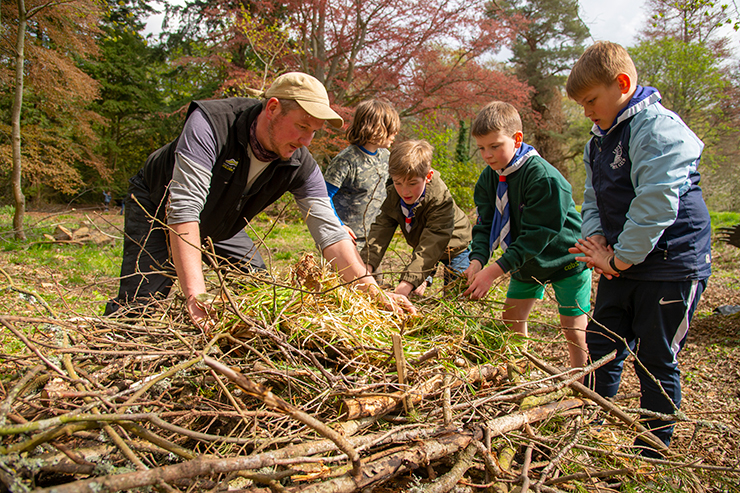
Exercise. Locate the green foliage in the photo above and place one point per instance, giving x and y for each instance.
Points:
(684, 55)
(493, 335)
(577, 138)
(462, 154)
(219, 48)
(281, 233)
(60, 276)
(724, 219)
(69, 264)
(697, 20)
(548, 41)
(132, 98)
(187, 74)
(73, 264)
(460, 177)
(269, 46)
(689, 77)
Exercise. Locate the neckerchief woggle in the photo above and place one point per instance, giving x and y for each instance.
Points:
(501, 226)
(408, 210)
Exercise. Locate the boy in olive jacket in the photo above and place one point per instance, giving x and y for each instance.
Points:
(431, 222)
(525, 206)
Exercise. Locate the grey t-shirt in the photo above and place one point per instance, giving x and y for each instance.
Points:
(360, 179)
(195, 157)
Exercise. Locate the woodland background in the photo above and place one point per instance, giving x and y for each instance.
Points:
(85, 96)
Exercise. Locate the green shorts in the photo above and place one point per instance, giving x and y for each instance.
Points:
(572, 293)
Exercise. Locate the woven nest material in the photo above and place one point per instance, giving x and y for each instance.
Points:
(304, 384)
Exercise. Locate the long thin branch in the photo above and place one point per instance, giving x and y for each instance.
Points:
(270, 399)
(555, 461)
(385, 467)
(525, 468)
(611, 408)
(33, 348)
(449, 480)
(112, 434)
(28, 292)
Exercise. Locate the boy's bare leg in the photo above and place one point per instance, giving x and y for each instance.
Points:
(574, 328)
(516, 313)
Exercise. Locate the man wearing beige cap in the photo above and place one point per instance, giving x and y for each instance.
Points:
(234, 158)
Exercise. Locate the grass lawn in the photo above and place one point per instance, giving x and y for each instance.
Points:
(86, 275)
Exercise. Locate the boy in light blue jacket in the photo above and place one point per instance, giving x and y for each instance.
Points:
(645, 228)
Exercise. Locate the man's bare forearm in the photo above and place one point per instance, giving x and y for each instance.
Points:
(186, 255)
(343, 256)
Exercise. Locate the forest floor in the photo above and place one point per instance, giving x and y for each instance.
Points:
(709, 363)
(710, 360)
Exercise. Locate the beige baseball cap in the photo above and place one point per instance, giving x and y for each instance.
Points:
(308, 92)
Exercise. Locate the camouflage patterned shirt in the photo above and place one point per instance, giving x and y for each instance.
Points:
(361, 180)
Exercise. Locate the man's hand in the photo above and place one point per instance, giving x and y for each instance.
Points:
(481, 282)
(201, 313)
(186, 255)
(344, 257)
(397, 303)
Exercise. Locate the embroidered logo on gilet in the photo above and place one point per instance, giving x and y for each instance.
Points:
(619, 160)
(230, 164)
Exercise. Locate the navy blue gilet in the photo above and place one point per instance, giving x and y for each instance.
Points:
(683, 252)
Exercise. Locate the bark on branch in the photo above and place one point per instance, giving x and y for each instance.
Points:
(275, 402)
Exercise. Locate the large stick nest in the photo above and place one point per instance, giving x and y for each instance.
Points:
(305, 384)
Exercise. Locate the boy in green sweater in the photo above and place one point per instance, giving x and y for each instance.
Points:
(525, 206)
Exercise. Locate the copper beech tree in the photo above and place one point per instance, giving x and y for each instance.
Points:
(41, 42)
(422, 56)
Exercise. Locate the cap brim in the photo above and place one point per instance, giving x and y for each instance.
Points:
(322, 112)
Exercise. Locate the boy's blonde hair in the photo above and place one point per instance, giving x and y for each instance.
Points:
(496, 116)
(374, 121)
(600, 64)
(411, 158)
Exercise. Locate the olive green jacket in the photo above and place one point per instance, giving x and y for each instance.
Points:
(440, 229)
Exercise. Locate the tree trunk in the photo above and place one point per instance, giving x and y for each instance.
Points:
(20, 200)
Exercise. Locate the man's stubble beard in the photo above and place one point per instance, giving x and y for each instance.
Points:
(271, 136)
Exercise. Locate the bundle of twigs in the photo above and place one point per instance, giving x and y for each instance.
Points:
(303, 385)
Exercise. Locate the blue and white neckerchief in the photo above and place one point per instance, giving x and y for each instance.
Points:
(408, 211)
(501, 226)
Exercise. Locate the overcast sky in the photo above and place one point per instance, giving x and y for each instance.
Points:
(617, 21)
(613, 20)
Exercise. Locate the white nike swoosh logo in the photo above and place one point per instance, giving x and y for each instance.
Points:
(664, 302)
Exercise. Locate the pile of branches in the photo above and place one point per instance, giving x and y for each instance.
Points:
(303, 385)
(86, 232)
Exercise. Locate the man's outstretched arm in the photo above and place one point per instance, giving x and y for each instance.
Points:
(186, 255)
(343, 256)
